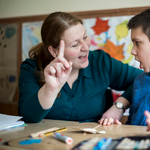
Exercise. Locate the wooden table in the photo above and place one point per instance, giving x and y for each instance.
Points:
(49, 142)
(24, 131)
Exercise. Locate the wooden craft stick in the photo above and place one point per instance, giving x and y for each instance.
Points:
(97, 126)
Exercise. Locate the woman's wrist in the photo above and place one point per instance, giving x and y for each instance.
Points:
(47, 97)
(119, 105)
(125, 102)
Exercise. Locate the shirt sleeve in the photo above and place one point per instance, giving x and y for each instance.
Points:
(121, 76)
(29, 106)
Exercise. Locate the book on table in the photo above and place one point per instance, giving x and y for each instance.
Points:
(10, 121)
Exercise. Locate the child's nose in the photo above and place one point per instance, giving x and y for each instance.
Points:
(133, 51)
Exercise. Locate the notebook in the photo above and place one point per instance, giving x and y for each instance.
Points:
(10, 121)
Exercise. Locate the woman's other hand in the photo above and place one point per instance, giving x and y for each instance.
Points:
(114, 114)
(111, 116)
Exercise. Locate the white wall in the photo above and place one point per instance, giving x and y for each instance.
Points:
(17, 8)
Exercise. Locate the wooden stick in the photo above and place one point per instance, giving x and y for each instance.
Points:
(97, 126)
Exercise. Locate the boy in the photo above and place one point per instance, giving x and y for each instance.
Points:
(140, 36)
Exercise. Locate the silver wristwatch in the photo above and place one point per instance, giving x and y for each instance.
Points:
(119, 105)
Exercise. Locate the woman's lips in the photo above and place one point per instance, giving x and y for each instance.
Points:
(83, 57)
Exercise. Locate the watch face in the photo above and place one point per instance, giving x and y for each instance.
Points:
(119, 105)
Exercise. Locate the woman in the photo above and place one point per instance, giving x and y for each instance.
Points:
(64, 80)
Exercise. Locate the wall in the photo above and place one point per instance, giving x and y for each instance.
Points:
(17, 8)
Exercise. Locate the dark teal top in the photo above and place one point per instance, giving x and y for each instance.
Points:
(86, 100)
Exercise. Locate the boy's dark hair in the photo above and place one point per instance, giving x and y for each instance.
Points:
(141, 20)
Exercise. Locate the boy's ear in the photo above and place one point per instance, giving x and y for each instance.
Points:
(52, 51)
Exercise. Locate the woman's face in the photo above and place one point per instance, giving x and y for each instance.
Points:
(77, 44)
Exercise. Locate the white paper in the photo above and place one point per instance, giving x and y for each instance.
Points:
(90, 130)
(9, 121)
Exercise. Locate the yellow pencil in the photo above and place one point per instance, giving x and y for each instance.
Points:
(59, 130)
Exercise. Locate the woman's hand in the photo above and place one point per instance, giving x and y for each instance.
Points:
(147, 114)
(111, 116)
(114, 114)
(57, 72)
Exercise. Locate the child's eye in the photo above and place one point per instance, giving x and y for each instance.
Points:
(137, 43)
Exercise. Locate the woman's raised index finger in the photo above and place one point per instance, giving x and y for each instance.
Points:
(61, 48)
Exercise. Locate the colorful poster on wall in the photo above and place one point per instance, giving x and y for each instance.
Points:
(111, 35)
(8, 61)
(31, 35)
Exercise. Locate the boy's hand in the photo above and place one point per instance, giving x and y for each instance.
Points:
(147, 114)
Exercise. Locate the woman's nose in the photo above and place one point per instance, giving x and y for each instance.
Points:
(85, 45)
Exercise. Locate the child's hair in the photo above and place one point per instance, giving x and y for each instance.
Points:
(141, 20)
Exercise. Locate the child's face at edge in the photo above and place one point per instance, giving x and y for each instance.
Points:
(141, 48)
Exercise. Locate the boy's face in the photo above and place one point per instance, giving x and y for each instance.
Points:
(141, 48)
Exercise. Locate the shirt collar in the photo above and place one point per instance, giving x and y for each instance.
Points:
(86, 72)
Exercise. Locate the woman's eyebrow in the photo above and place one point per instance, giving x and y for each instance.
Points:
(77, 39)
